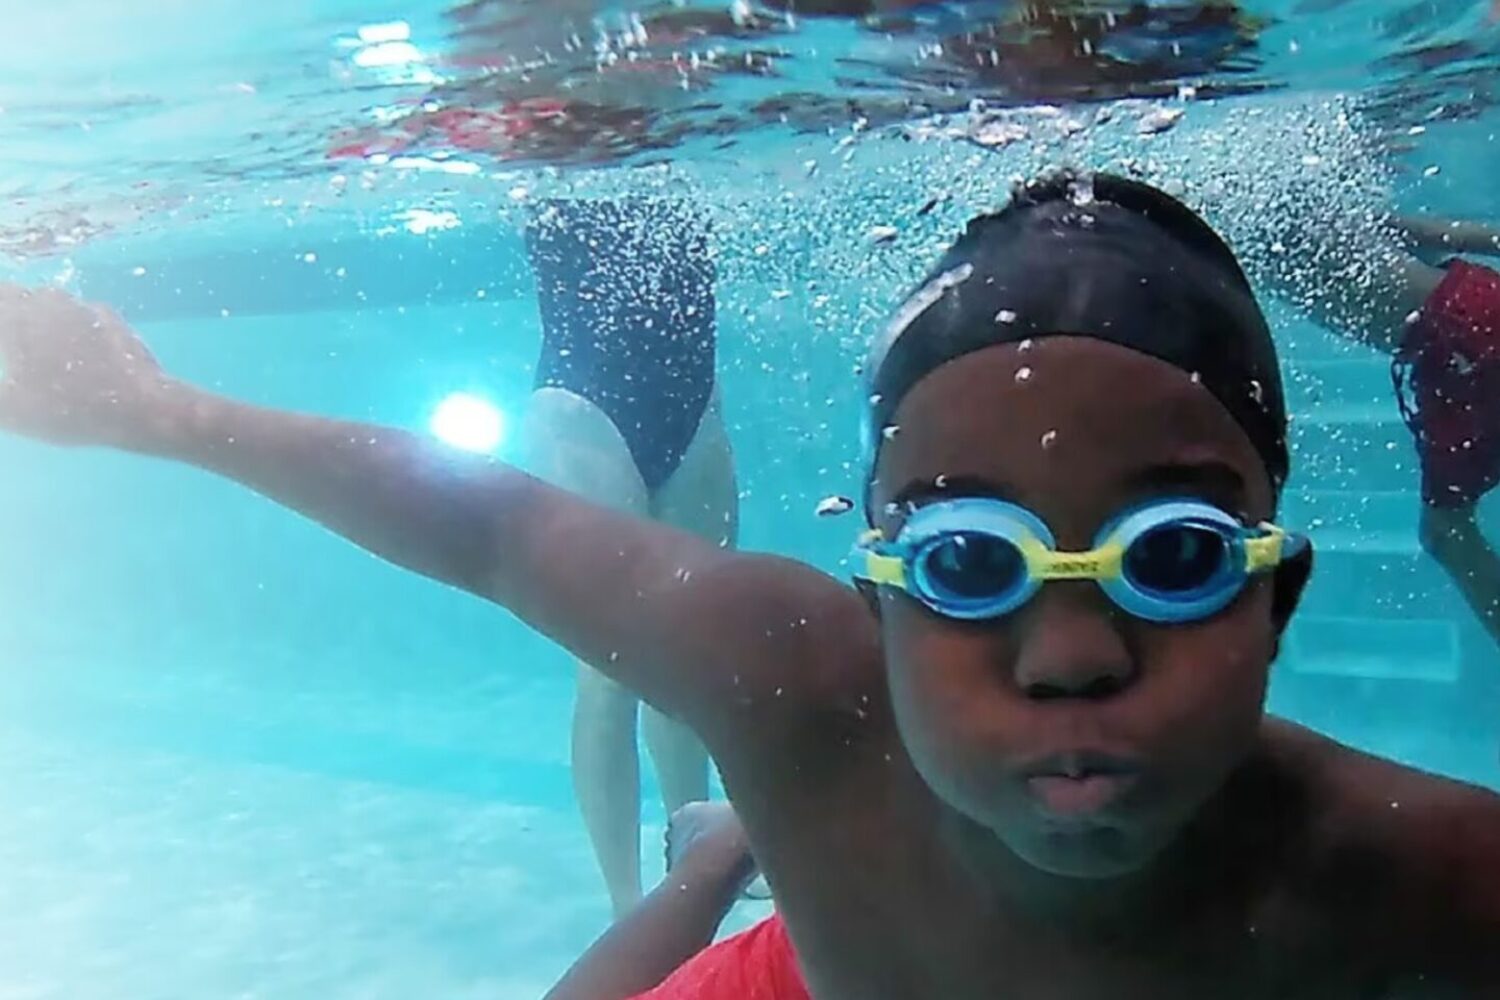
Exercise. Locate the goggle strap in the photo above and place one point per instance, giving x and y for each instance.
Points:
(888, 571)
(1264, 553)
(885, 570)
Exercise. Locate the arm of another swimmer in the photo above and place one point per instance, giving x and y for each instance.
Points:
(1444, 237)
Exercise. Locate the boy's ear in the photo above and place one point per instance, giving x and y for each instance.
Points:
(1289, 581)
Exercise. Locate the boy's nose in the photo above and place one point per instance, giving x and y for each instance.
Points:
(1071, 647)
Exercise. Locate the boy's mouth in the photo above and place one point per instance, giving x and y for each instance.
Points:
(1081, 784)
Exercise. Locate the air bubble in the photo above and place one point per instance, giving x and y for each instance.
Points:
(1049, 439)
(890, 430)
(833, 506)
(1082, 194)
(1023, 374)
(1005, 316)
(1162, 120)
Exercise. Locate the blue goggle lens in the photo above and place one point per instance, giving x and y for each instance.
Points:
(1178, 558)
(971, 565)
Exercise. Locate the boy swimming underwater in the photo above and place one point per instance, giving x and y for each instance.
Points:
(1029, 757)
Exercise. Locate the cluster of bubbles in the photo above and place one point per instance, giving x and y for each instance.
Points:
(1288, 182)
(818, 243)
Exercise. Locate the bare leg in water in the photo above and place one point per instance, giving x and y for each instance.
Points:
(577, 447)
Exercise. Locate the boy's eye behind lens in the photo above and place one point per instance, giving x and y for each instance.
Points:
(1177, 558)
(974, 565)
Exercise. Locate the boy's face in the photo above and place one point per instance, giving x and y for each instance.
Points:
(1000, 717)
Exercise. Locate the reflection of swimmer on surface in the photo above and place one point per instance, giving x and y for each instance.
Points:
(1053, 51)
(1028, 753)
(626, 413)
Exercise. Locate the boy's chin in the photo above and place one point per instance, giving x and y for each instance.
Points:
(1087, 853)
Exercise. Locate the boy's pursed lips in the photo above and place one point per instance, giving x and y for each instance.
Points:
(1077, 783)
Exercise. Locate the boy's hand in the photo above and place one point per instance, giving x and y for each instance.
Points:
(72, 373)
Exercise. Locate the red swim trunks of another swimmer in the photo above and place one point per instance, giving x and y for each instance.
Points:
(1447, 376)
(758, 964)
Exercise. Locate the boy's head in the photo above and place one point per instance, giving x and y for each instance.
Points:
(1086, 371)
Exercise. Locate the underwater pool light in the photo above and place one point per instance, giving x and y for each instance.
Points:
(466, 421)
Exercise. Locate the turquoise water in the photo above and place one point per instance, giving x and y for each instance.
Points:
(239, 757)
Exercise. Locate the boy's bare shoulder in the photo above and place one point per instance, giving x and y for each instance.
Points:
(1411, 858)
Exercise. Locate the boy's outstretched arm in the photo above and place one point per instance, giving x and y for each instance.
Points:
(691, 627)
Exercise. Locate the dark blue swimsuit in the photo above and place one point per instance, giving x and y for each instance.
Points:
(626, 292)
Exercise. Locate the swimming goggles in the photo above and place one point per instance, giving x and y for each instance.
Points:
(1167, 561)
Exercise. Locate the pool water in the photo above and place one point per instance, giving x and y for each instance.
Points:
(240, 757)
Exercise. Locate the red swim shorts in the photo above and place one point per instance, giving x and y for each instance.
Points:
(758, 964)
(1447, 377)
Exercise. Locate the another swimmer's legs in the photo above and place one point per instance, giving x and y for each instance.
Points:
(1452, 536)
(700, 497)
(607, 782)
(680, 759)
(710, 862)
(574, 445)
(1450, 530)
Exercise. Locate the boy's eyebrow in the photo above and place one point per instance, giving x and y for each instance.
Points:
(1210, 476)
(920, 490)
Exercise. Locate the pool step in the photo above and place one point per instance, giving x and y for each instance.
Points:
(1349, 451)
(1374, 522)
(1380, 585)
(1350, 390)
(1377, 608)
(1422, 649)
